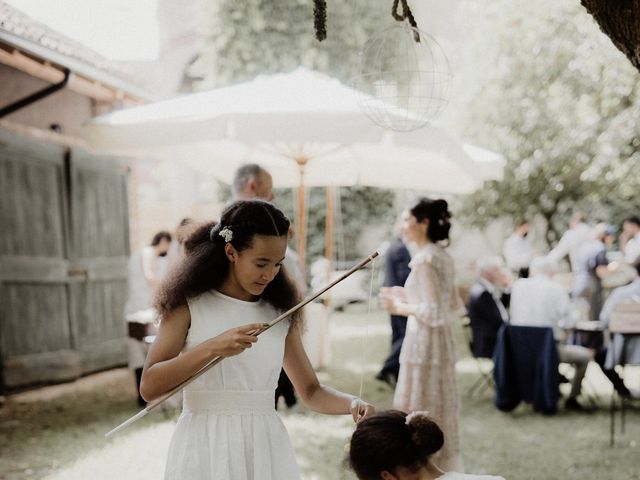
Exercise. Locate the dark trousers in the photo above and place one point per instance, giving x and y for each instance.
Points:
(392, 363)
(612, 375)
(141, 400)
(285, 389)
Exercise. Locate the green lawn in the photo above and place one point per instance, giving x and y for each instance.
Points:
(56, 433)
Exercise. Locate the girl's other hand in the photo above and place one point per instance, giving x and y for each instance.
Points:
(235, 340)
(360, 409)
(385, 300)
(399, 294)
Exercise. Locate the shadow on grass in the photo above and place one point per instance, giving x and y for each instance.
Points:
(38, 437)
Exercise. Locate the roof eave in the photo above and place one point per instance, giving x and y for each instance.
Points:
(75, 66)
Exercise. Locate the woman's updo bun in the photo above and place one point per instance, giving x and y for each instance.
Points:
(438, 214)
(392, 439)
(426, 435)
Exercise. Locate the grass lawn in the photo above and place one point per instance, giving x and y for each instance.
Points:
(56, 433)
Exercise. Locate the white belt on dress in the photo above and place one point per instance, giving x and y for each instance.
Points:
(230, 402)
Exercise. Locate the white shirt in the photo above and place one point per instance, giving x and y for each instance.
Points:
(139, 296)
(293, 267)
(540, 302)
(518, 252)
(632, 250)
(570, 244)
(628, 293)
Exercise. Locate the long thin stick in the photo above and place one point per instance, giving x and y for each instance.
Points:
(217, 360)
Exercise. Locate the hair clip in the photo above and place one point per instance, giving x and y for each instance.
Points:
(227, 234)
(417, 413)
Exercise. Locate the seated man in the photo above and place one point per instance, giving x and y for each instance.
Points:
(628, 293)
(487, 306)
(540, 302)
(630, 241)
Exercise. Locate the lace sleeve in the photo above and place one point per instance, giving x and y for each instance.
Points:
(456, 304)
(428, 310)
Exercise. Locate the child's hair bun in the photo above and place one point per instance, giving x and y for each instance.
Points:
(426, 435)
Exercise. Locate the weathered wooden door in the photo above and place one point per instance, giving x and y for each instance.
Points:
(98, 259)
(63, 249)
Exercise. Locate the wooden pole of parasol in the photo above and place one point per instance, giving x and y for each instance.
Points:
(328, 250)
(217, 360)
(301, 160)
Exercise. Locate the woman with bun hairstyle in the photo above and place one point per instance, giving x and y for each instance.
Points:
(392, 445)
(227, 286)
(427, 380)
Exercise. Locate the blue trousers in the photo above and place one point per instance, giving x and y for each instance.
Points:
(392, 363)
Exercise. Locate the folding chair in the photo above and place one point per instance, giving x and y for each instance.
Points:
(485, 379)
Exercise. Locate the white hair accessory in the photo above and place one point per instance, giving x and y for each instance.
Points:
(417, 413)
(227, 234)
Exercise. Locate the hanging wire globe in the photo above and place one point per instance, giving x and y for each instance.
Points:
(403, 84)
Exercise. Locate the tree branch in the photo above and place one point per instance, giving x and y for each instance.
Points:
(620, 21)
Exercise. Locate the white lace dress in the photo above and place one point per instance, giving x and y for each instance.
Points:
(229, 428)
(427, 379)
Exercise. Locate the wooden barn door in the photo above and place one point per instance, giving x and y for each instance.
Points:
(63, 248)
(36, 342)
(98, 259)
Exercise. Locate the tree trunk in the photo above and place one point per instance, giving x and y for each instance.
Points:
(620, 21)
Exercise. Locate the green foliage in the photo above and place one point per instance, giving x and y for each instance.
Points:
(360, 207)
(253, 37)
(549, 90)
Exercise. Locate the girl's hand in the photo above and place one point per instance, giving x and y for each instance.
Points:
(385, 301)
(360, 409)
(399, 294)
(235, 340)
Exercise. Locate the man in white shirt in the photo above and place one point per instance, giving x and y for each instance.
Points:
(540, 302)
(146, 270)
(572, 241)
(518, 250)
(252, 181)
(630, 241)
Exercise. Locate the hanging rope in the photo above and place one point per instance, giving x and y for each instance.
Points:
(405, 15)
(320, 18)
(365, 339)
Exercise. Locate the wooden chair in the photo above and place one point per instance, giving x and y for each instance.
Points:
(625, 320)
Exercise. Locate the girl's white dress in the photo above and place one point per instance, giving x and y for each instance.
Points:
(229, 428)
(466, 476)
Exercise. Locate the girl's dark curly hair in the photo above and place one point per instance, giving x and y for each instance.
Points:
(205, 265)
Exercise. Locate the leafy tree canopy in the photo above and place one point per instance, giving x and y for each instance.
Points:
(547, 89)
